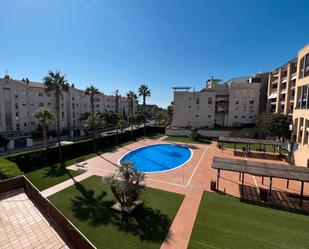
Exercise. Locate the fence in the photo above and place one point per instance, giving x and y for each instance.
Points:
(50, 212)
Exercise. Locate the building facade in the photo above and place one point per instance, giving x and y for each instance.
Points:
(20, 99)
(281, 88)
(301, 111)
(231, 104)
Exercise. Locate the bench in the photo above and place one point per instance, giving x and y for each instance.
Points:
(81, 164)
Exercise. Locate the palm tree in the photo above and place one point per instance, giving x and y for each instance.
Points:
(92, 91)
(56, 83)
(126, 185)
(45, 117)
(132, 97)
(121, 123)
(95, 122)
(145, 92)
(117, 112)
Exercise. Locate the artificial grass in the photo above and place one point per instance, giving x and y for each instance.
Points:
(253, 147)
(226, 222)
(187, 140)
(49, 176)
(87, 206)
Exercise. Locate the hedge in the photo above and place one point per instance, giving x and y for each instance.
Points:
(8, 169)
(30, 159)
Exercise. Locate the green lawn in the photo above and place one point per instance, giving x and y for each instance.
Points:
(253, 147)
(225, 222)
(87, 206)
(187, 140)
(49, 176)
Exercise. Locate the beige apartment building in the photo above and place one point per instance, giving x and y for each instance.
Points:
(20, 99)
(281, 88)
(231, 104)
(301, 111)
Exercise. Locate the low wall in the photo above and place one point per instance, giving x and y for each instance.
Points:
(50, 212)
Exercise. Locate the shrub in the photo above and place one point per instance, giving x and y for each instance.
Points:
(8, 169)
(30, 159)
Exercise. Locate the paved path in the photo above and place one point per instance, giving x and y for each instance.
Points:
(162, 138)
(52, 190)
(181, 228)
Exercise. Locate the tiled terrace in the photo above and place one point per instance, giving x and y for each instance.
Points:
(23, 226)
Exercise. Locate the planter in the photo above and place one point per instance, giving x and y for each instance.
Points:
(117, 206)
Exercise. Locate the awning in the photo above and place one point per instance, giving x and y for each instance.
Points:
(273, 96)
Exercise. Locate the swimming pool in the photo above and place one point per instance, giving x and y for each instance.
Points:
(158, 157)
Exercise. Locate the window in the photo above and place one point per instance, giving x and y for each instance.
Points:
(209, 116)
(250, 116)
(73, 115)
(236, 108)
(243, 116)
(41, 94)
(16, 96)
(73, 98)
(236, 101)
(25, 124)
(189, 98)
(17, 114)
(98, 105)
(235, 116)
(32, 123)
(209, 101)
(197, 100)
(62, 114)
(189, 106)
(24, 104)
(49, 95)
(196, 116)
(41, 104)
(251, 108)
(251, 101)
(49, 104)
(17, 127)
(304, 66)
(243, 108)
(16, 105)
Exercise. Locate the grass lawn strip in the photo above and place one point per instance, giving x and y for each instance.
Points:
(87, 206)
(225, 222)
(187, 140)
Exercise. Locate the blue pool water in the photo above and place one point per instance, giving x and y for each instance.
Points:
(157, 158)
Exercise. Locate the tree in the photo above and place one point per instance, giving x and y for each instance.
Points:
(117, 112)
(132, 97)
(170, 111)
(56, 83)
(93, 123)
(91, 92)
(44, 116)
(126, 185)
(145, 92)
(121, 123)
(273, 125)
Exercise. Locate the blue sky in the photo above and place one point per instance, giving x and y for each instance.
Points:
(163, 43)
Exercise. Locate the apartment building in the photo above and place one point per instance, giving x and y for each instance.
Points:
(281, 88)
(20, 99)
(301, 111)
(231, 104)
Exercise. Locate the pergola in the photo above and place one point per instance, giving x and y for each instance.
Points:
(271, 170)
(249, 141)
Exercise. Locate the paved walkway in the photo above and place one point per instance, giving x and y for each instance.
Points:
(52, 190)
(162, 138)
(23, 226)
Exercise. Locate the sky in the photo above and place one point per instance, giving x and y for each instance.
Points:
(162, 43)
